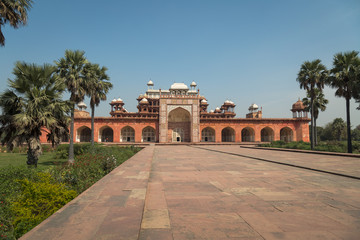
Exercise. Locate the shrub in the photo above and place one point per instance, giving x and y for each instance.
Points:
(39, 199)
(90, 167)
(62, 151)
(10, 189)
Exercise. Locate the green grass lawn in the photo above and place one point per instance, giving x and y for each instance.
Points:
(46, 160)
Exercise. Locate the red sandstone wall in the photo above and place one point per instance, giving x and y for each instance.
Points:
(300, 128)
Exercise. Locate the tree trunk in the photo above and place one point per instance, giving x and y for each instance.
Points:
(92, 125)
(312, 122)
(71, 140)
(315, 133)
(34, 151)
(348, 125)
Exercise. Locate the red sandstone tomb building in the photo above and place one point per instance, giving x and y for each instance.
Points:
(180, 114)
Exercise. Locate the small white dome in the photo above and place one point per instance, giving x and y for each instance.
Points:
(144, 100)
(113, 100)
(119, 100)
(254, 106)
(211, 110)
(217, 108)
(150, 83)
(203, 101)
(232, 102)
(179, 86)
(82, 105)
(193, 84)
(227, 101)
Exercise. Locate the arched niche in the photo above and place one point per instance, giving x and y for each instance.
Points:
(106, 134)
(208, 135)
(247, 134)
(148, 134)
(228, 135)
(83, 134)
(267, 134)
(127, 134)
(286, 134)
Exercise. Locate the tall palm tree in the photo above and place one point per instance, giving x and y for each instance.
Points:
(29, 105)
(13, 12)
(61, 130)
(312, 75)
(71, 72)
(345, 78)
(97, 88)
(320, 103)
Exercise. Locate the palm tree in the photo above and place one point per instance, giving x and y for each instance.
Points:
(319, 104)
(29, 106)
(312, 75)
(14, 12)
(345, 78)
(59, 131)
(71, 72)
(97, 88)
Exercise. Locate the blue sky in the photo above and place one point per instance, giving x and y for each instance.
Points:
(244, 51)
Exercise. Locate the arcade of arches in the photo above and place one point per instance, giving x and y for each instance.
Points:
(178, 134)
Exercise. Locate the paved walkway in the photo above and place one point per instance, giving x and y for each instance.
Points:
(182, 192)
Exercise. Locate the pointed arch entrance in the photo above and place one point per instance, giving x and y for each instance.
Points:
(228, 135)
(83, 134)
(106, 134)
(127, 134)
(286, 134)
(179, 125)
(208, 135)
(247, 135)
(148, 134)
(267, 134)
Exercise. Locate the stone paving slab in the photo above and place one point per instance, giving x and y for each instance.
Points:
(182, 192)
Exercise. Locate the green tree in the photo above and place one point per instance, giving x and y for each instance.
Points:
(13, 12)
(356, 133)
(312, 75)
(97, 88)
(320, 103)
(71, 72)
(29, 106)
(344, 78)
(338, 127)
(60, 131)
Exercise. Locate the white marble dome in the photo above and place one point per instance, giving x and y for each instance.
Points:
(179, 86)
(81, 105)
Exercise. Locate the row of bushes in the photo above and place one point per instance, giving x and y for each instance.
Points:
(327, 146)
(28, 196)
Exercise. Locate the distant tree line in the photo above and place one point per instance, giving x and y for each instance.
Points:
(344, 77)
(336, 131)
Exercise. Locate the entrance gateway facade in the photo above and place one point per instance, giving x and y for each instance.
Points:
(180, 115)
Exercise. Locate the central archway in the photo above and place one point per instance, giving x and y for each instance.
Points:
(179, 125)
